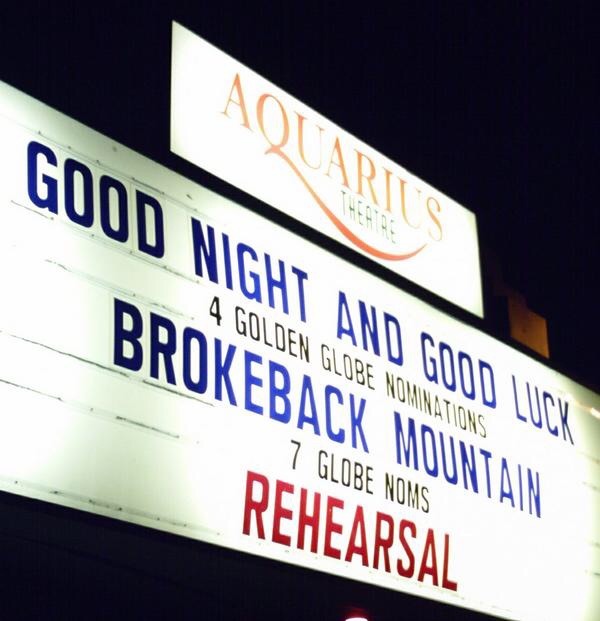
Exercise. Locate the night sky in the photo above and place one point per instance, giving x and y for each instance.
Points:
(493, 103)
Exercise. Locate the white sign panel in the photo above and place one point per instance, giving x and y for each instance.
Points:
(242, 128)
(171, 359)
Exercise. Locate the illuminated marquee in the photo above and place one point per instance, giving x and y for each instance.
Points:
(171, 359)
(247, 131)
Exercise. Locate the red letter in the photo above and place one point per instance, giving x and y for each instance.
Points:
(359, 523)
(430, 570)
(407, 572)
(381, 542)
(332, 527)
(446, 582)
(258, 506)
(281, 513)
(311, 521)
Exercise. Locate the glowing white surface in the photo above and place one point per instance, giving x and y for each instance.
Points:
(78, 431)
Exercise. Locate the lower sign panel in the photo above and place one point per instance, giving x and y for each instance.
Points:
(170, 359)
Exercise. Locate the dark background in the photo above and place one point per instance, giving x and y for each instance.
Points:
(494, 103)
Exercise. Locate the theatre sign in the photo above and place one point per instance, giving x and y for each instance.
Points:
(171, 359)
(237, 125)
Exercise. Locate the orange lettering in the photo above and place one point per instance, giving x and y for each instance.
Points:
(237, 87)
(301, 120)
(260, 114)
(368, 178)
(403, 203)
(339, 163)
(435, 219)
(388, 198)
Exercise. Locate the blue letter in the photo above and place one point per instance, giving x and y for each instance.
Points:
(344, 313)
(157, 249)
(189, 335)
(276, 283)
(564, 422)
(391, 320)
(301, 276)
(279, 393)
(222, 370)
(409, 447)
(339, 435)
(469, 394)
(131, 336)
(121, 233)
(313, 419)
(356, 422)
(158, 348)
(201, 251)
(251, 380)
(431, 470)
(253, 294)
(86, 218)
(449, 384)
(490, 401)
(50, 202)
(431, 375)
(368, 326)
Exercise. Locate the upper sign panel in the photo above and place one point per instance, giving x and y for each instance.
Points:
(235, 124)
